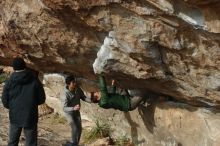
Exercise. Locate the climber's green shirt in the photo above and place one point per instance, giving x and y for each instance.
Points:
(112, 100)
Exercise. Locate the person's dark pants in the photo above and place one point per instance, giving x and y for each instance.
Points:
(76, 126)
(29, 132)
(135, 102)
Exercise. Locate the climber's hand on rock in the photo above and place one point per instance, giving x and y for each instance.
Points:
(113, 82)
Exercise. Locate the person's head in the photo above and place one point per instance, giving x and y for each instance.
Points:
(18, 64)
(96, 97)
(70, 82)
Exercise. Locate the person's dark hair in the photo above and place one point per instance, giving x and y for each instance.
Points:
(69, 79)
(18, 63)
(93, 98)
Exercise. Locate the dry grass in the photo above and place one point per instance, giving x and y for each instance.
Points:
(123, 141)
(59, 119)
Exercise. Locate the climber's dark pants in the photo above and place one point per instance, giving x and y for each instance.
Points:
(135, 101)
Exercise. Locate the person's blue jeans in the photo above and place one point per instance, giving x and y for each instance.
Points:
(29, 132)
(76, 127)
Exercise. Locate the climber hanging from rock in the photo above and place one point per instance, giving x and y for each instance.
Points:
(105, 99)
(114, 100)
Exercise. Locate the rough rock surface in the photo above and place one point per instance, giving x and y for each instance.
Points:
(158, 123)
(170, 47)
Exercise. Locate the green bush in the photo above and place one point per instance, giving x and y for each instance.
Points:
(100, 130)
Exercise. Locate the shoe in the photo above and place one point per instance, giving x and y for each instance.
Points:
(68, 144)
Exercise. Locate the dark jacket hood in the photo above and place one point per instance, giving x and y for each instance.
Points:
(21, 78)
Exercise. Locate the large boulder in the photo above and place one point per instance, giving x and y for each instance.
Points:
(156, 123)
(169, 47)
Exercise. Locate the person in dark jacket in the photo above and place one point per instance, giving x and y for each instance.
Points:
(115, 100)
(71, 106)
(22, 93)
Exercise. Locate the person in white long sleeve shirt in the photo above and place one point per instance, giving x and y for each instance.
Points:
(71, 106)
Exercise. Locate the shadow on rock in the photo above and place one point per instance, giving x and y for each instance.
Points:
(147, 114)
(134, 130)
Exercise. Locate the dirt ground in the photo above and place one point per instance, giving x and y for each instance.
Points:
(52, 130)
